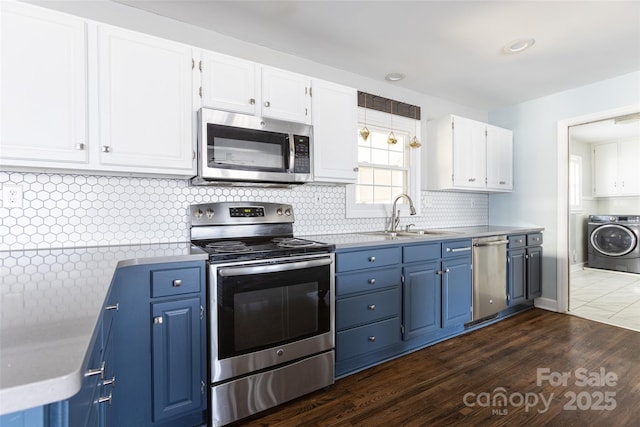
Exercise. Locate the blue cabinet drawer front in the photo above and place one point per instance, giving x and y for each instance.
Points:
(175, 281)
(534, 239)
(369, 258)
(421, 252)
(456, 248)
(368, 338)
(370, 280)
(517, 241)
(367, 308)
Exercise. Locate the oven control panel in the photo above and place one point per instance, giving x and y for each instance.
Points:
(244, 212)
(232, 213)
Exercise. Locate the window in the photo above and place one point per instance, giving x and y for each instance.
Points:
(385, 170)
(575, 183)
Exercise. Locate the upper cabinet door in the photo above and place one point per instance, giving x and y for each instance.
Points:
(499, 158)
(145, 102)
(628, 170)
(469, 151)
(44, 87)
(285, 95)
(229, 83)
(605, 169)
(335, 129)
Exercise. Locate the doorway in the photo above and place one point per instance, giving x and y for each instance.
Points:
(595, 187)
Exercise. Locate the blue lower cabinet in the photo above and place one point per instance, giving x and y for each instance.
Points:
(33, 417)
(422, 293)
(456, 291)
(516, 276)
(524, 268)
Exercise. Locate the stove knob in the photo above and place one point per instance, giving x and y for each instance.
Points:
(198, 213)
(209, 213)
(287, 212)
(279, 211)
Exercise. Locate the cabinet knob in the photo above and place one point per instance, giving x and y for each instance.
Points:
(446, 270)
(157, 320)
(371, 306)
(267, 104)
(106, 149)
(80, 146)
(372, 338)
(372, 259)
(372, 281)
(252, 101)
(177, 283)
(356, 169)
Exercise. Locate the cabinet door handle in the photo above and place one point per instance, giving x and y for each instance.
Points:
(503, 182)
(472, 180)
(106, 149)
(105, 399)
(115, 307)
(80, 146)
(267, 104)
(372, 259)
(372, 281)
(177, 283)
(112, 381)
(94, 372)
(371, 306)
(157, 320)
(372, 338)
(356, 169)
(252, 101)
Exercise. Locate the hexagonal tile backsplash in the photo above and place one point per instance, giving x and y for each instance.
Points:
(81, 210)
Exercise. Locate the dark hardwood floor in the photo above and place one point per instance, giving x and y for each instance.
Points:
(461, 381)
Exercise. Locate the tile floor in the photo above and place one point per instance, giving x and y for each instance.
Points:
(606, 296)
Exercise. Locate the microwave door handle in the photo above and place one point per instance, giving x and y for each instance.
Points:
(292, 153)
(271, 268)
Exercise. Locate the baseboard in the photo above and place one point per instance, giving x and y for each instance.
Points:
(546, 304)
(577, 267)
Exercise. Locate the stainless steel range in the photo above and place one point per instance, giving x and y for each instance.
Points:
(271, 300)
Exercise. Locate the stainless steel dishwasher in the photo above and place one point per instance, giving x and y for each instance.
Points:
(489, 276)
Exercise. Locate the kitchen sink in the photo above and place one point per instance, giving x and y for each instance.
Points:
(411, 233)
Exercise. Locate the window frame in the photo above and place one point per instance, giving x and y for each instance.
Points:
(400, 124)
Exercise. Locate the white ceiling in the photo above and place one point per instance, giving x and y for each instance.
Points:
(447, 49)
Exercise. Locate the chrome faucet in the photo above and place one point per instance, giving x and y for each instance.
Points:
(395, 215)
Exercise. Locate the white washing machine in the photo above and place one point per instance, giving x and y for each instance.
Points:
(614, 242)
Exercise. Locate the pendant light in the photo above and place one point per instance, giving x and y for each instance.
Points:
(391, 139)
(364, 132)
(414, 143)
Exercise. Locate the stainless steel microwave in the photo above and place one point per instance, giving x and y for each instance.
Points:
(239, 148)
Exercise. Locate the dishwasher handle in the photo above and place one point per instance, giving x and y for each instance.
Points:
(494, 243)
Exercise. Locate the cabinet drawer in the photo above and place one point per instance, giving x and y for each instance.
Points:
(421, 252)
(369, 258)
(456, 248)
(367, 280)
(368, 338)
(517, 241)
(367, 308)
(175, 281)
(534, 239)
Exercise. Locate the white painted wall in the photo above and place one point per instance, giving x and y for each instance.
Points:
(536, 153)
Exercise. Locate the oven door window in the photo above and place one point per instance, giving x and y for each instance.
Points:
(259, 311)
(247, 149)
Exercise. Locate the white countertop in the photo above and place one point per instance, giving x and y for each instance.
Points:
(50, 302)
(365, 238)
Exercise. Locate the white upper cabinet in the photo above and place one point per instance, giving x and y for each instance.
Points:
(335, 130)
(615, 168)
(44, 88)
(233, 84)
(145, 100)
(229, 83)
(499, 159)
(285, 95)
(467, 155)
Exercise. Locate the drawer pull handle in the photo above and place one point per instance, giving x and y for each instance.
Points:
(94, 372)
(454, 250)
(371, 306)
(112, 381)
(115, 307)
(372, 259)
(105, 399)
(177, 283)
(372, 338)
(372, 281)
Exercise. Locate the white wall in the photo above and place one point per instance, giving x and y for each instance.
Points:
(535, 132)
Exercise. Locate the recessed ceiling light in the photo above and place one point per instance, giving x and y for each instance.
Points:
(517, 46)
(394, 77)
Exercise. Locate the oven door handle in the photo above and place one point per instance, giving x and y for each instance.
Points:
(273, 268)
